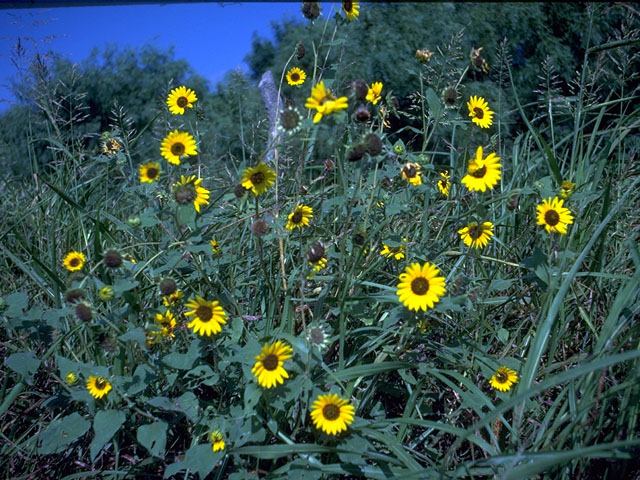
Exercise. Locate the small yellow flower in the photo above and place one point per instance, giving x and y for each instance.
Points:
(479, 112)
(74, 261)
(181, 98)
(566, 189)
(217, 440)
(483, 173)
(167, 323)
(98, 386)
(504, 379)
(105, 293)
(299, 218)
(323, 102)
(172, 299)
(373, 93)
(331, 413)
(190, 190)
(215, 246)
(396, 252)
(296, 77)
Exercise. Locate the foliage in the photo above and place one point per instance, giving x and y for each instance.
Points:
(558, 310)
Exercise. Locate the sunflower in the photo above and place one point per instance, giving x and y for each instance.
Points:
(179, 99)
(503, 379)
(351, 9)
(217, 440)
(332, 414)
(215, 246)
(483, 173)
(73, 261)
(318, 335)
(566, 189)
(318, 264)
(323, 102)
(411, 173)
(554, 216)
(258, 179)
(105, 293)
(289, 120)
(373, 92)
(444, 183)
(476, 235)
(98, 386)
(208, 316)
(296, 77)
(189, 189)
(110, 144)
(299, 217)
(420, 287)
(172, 298)
(268, 368)
(177, 145)
(149, 172)
(167, 323)
(479, 112)
(396, 252)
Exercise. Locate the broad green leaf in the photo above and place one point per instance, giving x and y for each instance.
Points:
(105, 425)
(24, 363)
(61, 432)
(199, 458)
(153, 437)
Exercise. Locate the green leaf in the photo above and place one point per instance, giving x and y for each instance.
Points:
(435, 108)
(24, 363)
(16, 303)
(61, 432)
(183, 361)
(122, 285)
(105, 425)
(136, 335)
(199, 458)
(370, 369)
(153, 437)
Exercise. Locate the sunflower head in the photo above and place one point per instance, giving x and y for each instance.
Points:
(179, 99)
(323, 102)
(112, 259)
(74, 261)
(190, 190)
(110, 144)
(98, 386)
(172, 299)
(177, 145)
(217, 440)
(296, 77)
(479, 112)
(411, 173)
(300, 217)
(566, 189)
(289, 120)
(215, 246)
(478, 62)
(318, 335)
(420, 286)
(554, 216)
(444, 183)
(149, 172)
(316, 252)
(208, 316)
(476, 235)
(351, 9)
(483, 173)
(268, 369)
(504, 379)
(374, 93)
(258, 179)
(332, 414)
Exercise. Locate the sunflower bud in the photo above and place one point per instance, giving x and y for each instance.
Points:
(112, 259)
(167, 286)
(74, 295)
(374, 144)
(133, 221)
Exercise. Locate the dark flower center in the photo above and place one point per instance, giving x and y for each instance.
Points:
(270, 362)
(74, 262)
(317, 336)
(409, 171)
(257, 178)
(479, 113)
(295, 76)
(552, 218)
(450, 96)
(289, 119)
(331, 412)
(420, 286)
(502, 377)
(101, 383)
(177, 149)
(297, 217)
(348, 6)
(152, 172)
(204, 313)
(185, 194)
(480, 172)
(475, 231)
(182, 102)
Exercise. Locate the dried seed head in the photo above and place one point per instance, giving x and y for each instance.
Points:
(316, 252)
(360, 88)
(239, 190)
(362, 114)
(83, 312)
(356, 153)
(374, 144)
(310, 10)
(112, 259)
(300, 51)
(259, 227)
(167, 286)
(74, 295)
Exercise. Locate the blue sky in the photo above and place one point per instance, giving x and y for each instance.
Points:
(213, 37)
